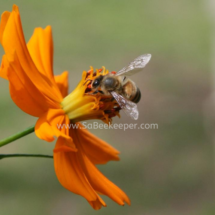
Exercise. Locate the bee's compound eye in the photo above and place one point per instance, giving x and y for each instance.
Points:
(96, 82)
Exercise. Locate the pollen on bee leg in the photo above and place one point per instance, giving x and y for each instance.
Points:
(110, 111)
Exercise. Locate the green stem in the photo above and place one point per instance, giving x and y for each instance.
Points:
(16, 136)
(24, 155)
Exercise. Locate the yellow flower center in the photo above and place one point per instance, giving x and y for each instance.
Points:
(82, 104)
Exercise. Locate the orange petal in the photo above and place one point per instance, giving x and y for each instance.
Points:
(98, 203)
(4, 67)
(43, 129)
(101, 184)
(62, 83)
(97, 180)
(13, 41)
(4, 19)
(40, 47)
(71, 176)
(64, 143)
(97, 150)
(49, 125)
(23, 91)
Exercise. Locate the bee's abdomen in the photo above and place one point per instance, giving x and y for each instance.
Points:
(137, 97)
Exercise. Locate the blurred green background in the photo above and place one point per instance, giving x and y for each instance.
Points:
(165, 171)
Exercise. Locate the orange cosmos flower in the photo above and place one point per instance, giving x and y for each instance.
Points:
(35, 90)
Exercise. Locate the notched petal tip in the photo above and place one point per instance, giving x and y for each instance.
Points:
(97, 205)
(4, 18)
(15, 8)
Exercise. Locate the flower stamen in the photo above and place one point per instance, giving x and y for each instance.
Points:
(84, 103)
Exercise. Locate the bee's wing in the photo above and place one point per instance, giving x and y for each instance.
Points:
(130, 108)
(136, 65)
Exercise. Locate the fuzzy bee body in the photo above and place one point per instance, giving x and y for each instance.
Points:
(119, 84)
(123, 89)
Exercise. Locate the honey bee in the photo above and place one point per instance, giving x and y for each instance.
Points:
(123, 89)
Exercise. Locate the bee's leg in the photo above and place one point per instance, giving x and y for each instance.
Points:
(96, 91)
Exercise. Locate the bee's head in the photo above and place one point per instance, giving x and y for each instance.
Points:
(110, 83)
(97, 82)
